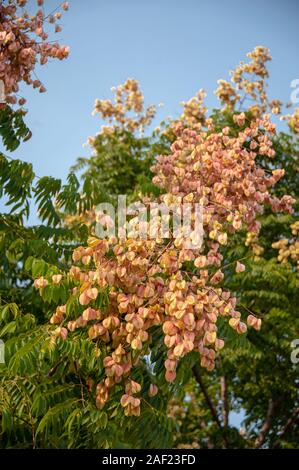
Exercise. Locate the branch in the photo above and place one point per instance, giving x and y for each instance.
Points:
(292, 419)
(197, 374)
(224, 399)
(267, 423)
(224, 395)
(53, 370)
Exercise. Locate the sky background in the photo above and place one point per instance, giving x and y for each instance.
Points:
(173, 47)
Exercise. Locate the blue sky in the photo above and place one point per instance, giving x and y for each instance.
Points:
(173, 47)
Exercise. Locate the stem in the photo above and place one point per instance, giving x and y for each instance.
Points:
(53, 370)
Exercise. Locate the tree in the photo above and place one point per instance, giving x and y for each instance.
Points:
(70, 389)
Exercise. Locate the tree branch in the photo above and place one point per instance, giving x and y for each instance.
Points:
(197, 374)
(267, 423)
(53, 370)
(292, 419)
(224, 399)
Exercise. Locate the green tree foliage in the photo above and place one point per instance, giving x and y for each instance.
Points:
(13, 129)
(121, 163)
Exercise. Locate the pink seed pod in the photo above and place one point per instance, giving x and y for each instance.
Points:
(153, 390)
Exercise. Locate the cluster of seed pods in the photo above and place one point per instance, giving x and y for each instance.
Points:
(165, 282)
(24, 42)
